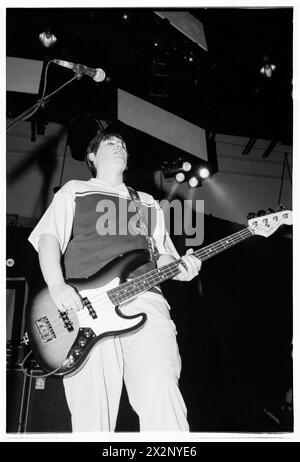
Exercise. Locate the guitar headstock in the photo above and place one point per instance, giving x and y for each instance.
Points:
(265, 225)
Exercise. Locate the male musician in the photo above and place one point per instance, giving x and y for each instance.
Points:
(75, 226)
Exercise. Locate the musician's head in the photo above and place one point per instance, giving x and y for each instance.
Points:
(107, 150)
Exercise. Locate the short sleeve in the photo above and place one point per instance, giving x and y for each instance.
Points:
(161, 236)
(57, 220)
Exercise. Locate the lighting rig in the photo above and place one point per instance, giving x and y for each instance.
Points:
(183, 170)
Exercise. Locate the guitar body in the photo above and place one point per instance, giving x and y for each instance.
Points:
(62, 342)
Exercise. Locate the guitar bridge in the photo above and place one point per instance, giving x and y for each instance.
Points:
(45, 329)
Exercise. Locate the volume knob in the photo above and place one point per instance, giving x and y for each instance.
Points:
(87, 333)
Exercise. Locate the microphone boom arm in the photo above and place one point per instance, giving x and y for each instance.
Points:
(40, 103)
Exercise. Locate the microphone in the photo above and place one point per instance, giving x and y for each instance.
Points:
(97, 74)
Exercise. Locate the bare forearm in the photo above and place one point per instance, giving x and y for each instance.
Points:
(63, 295)
(49, 257)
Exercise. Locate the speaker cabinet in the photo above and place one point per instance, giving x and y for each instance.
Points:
(35, 404)
(16, 300)
(38, 405)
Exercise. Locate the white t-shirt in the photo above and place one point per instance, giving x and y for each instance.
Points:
(94, 222)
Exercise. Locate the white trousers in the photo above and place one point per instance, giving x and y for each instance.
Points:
(150, 364)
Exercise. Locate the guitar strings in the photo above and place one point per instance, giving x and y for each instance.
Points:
(129, 289)
(167, 270)
(171, 269)
(158, 275)
(155, 274)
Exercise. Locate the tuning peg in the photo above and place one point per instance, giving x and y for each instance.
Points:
(250, 215)
(270, 211)
(261, 213)
(280, 207)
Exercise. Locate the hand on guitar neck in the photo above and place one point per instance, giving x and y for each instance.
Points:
(189, 267)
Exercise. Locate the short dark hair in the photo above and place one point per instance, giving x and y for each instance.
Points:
(94, 144)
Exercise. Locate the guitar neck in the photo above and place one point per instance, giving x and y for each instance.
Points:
(219, 246)
(140, 284)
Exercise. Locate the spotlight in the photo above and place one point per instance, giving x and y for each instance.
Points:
(186, 166)
(193, 182)
(125, 16)
(47, 39)
(185, 171)
(180, 177)
(10, 262)
(172, 168)
(268, 68)
(204, 173)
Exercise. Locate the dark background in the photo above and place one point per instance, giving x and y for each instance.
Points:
(235, 322)
(221, 90)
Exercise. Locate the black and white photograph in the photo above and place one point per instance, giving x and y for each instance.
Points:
(149, 223)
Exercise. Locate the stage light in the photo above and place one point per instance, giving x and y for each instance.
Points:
(185, 171)
(204, 173)
(47, 39)
(173, 167)
(193, 182)
(186, 166)
(10, 262)
(125, 16)
(268, 68)
(180, 177)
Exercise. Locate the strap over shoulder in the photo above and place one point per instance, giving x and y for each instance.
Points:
(154, 254)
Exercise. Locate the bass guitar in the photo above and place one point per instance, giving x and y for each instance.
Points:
(63, 341)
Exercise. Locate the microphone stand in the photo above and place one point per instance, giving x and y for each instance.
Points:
(40, 103)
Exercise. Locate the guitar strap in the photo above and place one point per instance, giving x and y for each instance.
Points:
(154, 254)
